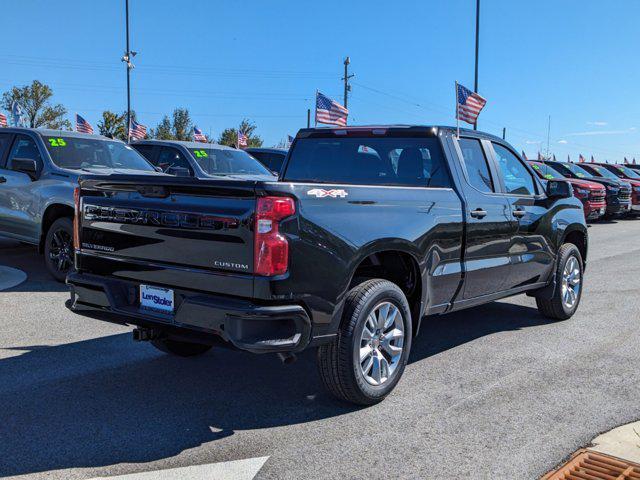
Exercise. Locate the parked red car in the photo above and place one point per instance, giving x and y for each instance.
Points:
(630, 175)
(591, 194)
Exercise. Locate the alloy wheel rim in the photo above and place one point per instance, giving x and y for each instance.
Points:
(61, 250)
(571, 282)
(381, 343)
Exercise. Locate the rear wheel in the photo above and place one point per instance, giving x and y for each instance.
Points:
(179, 348)
(568, 291)
(58, 248)
(365, 362)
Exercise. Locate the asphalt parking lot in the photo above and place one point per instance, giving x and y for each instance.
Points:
(492, 392)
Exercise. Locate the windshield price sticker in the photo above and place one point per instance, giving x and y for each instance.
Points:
(57, 142)
(200, 153)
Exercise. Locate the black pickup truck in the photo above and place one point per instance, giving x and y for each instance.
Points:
(367, 231)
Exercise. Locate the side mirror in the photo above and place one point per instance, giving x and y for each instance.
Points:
(25, 165)
(178, 171)
(559, 189)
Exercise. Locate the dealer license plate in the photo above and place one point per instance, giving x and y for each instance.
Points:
(156, 298)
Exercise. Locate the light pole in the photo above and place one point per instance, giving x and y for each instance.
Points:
(128, 56)
(475, 84)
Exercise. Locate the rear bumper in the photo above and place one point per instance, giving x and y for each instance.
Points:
(251, 327)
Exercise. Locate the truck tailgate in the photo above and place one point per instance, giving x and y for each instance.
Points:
(176, 232)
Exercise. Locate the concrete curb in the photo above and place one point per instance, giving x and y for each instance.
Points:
(622, 442)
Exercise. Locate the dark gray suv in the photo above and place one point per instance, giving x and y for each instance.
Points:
(202, 160)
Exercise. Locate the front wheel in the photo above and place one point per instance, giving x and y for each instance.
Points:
(365, 362)
(180, 349)
(58, 248)
(568, 291)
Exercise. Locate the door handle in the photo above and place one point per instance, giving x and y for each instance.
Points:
(3, 179)
(478, 213)
(519, 213)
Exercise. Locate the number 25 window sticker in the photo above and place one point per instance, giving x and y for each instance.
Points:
(57, 142)
(200, 153)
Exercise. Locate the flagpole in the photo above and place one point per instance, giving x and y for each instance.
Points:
(315, 114)
(457, 117)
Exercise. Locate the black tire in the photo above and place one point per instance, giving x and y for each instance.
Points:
(58, 248)
(555, 308)
(179, 348)
(338, 362)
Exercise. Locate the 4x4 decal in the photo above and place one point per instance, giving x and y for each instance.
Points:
(322, 193)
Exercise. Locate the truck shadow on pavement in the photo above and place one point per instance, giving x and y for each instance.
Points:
(26, 258)
(105, 401)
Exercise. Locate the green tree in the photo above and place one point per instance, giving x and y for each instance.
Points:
(35, 102)
(113, 125)
(229, 136)
(178, 127)
(182, 125)
(163, 131)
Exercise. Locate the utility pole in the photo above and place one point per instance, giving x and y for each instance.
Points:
(548, 135)
(347, 87)
(308, 117)
(475, 84)
(128, 56)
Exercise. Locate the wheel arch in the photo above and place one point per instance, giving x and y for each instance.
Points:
(577, 234)
(50, 215)
(397, 261)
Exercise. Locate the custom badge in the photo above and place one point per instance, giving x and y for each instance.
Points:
(322, 193)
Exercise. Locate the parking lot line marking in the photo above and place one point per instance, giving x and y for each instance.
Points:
(234, 470)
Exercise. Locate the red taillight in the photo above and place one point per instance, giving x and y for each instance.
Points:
(76, 218)
(271, 249)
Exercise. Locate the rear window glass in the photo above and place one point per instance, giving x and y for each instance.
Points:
(414, 162)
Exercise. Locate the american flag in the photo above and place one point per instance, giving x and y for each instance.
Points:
(198, 136)
(329, 111)
(469, 105)
(242, 139)
(137, 130)
(82, 125)
(289, 141)
(524, 155)
(3, 120)
(592, 160)
(581, 159)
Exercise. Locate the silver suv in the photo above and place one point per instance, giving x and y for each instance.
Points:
(39, 170)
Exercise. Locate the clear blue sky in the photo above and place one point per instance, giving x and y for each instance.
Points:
(574, 60)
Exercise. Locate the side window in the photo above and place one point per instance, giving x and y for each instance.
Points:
(4, 145)
(24, 147)
(146, 151)
(275, 162)
(476, 164)
(170, 157)
(415, 166)
(517, 178)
